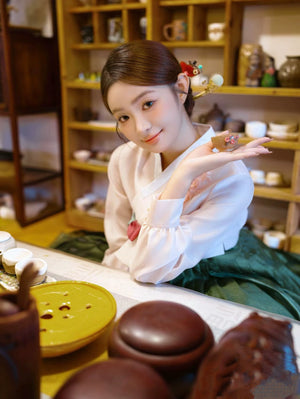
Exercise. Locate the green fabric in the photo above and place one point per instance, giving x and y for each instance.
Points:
(86, 244)
(251, 273)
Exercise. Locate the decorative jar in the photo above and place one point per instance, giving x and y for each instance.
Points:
(289, 72)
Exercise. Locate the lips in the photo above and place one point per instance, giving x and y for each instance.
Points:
(152, 138)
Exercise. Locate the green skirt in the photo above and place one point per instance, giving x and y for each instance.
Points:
(251, 273)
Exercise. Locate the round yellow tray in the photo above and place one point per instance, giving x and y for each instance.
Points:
(72, 314)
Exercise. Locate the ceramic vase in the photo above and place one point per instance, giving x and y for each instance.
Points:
(289, 72)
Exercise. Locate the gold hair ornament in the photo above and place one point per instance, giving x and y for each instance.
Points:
(214, 83)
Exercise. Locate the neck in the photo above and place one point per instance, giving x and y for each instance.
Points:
(188, 137)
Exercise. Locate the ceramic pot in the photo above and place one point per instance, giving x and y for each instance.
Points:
(215, 117)
(289, 72)
(170, 337)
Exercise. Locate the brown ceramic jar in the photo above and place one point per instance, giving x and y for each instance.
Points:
(168, 336)
(289, 72)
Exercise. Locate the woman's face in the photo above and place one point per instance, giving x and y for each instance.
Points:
(150, 116)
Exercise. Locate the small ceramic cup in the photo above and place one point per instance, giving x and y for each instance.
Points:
(176, 30)
(258, 176)
(6, 242)
(274, 239)
(216, 31)
(256, 129)
(274, 179)
(39, 263)
(12, 256)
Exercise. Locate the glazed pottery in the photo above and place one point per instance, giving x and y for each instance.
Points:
(289, 72)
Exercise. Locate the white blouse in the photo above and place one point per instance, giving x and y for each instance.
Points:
(175, 234)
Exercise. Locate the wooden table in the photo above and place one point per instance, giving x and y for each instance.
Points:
(219, 314)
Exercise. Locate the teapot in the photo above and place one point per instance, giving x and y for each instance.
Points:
(215, 117)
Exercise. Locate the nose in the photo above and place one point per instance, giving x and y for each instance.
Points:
(142, 124)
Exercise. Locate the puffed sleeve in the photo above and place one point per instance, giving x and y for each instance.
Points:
(170, 241)
(172, 236)
(118, 212)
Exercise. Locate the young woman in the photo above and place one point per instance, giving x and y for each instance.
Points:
(173, 204)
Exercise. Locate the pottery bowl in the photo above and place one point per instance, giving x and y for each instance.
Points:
(82, 155)
(283, 126)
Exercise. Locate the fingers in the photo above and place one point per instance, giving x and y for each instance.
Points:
(257, 142)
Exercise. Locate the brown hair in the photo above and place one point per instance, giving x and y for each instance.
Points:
(142, 63)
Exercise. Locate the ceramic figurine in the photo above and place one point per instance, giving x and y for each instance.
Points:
(254, 71)
(269, 72)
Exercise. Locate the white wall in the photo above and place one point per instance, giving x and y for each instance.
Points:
(38, 137)
(32, 13)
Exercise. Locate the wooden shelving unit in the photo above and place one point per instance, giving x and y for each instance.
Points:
(75, 57)
(30, 85)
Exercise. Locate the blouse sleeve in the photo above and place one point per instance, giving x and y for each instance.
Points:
(169, 241)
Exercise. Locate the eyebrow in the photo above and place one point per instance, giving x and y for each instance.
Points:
(135, 100)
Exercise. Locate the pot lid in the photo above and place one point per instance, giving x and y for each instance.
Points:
(162, 328)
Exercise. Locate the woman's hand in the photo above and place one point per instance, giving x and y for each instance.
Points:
(204, 159)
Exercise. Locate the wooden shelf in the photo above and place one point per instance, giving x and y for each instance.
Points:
(77, 57)
(258, 91)
(90, 126)
(280, 144)
(295, 242)
(177, 3)
(84, 220)
(274, 193)
(95, 46)
(194, 43)
(88, 167)
(107, 8)
(30, 85)
(79, 84)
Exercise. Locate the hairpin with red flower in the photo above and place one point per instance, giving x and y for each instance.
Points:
(191, 69)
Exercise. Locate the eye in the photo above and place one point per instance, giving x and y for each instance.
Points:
(148, 104)
(123, 118)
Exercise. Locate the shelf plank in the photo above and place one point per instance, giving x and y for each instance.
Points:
(280, 144)
(294, 245)
(239, 90)
(79, 84)
(85, 166)
(258, 91)
(264, 2)
(107, 8)
(83, 220)
(194, 43)
(89, 126)
(276, 193)
(172, 3)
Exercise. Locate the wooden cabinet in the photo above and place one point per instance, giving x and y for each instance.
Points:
(78, 57)
(30, 85)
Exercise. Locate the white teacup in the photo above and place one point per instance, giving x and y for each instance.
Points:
(258, 176)
(274, 239)
(6, 242)
(12, 256)
(274, 179)
(216, 31)
(39, 263)
(256, 129)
